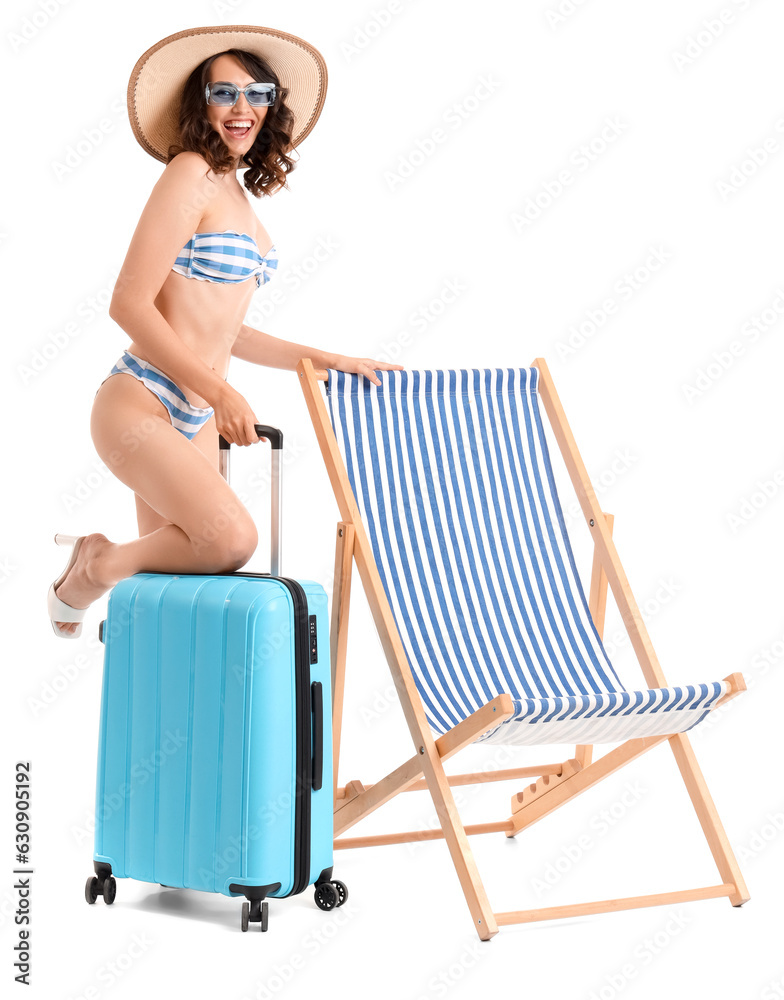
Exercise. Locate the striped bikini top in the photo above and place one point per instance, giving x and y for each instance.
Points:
(226, 257)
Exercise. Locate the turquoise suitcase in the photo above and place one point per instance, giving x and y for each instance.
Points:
(215, 745)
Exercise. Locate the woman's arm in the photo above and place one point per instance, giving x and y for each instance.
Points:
(262, 349)
(169, 220)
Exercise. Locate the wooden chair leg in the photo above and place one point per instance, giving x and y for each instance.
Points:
(712, 827)
(597, 605)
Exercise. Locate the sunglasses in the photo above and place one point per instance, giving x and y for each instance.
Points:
(258, 95)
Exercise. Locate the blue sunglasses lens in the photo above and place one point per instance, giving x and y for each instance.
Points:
(222, 94)
(226, 94)
(260, 96)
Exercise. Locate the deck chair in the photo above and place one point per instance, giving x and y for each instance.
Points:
(449, 508)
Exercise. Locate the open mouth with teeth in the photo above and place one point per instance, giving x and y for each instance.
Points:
(238, 128)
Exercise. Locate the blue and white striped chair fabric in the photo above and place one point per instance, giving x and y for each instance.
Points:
(452, 477)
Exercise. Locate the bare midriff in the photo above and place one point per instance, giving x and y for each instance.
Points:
(207, 316)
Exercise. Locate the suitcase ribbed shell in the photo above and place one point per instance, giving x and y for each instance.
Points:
(197, 752)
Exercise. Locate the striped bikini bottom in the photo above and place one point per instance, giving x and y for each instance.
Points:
(184, 416)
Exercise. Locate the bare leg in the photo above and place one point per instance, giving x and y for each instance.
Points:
(206, 441)
(206, 528)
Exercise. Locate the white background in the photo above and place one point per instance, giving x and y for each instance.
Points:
(694, 478)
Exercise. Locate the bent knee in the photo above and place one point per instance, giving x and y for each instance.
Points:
(239, 546)
(227, 542)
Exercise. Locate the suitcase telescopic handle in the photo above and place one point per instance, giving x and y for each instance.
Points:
(275, 438)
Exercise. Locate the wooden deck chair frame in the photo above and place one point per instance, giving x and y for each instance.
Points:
(557, 782)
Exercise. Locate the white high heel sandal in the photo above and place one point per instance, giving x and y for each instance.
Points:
(59, 611)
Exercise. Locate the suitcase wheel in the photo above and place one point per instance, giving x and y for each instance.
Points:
(260, 914)
(109, 889)
(326, 896)
(342, 891)
(97, 886)
(91, 889)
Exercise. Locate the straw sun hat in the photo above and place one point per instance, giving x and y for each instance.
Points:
(158, 78)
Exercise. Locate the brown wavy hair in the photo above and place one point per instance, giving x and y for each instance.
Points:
(267, 159)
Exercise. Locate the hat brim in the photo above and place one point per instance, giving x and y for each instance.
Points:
(158, 79)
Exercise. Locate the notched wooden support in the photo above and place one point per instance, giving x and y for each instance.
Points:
(545, 784)
(351, 791)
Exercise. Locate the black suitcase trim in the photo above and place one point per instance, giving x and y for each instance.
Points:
(303, 779)
(259, 892)
(304, 751)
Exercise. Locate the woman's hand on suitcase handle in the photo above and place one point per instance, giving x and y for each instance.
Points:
(234, 418)
(365, 366)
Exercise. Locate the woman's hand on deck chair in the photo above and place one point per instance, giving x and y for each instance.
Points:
(365, 366)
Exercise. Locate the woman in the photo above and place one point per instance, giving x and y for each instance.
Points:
(196, 257)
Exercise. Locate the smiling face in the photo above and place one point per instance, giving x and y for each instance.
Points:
(238, 125)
